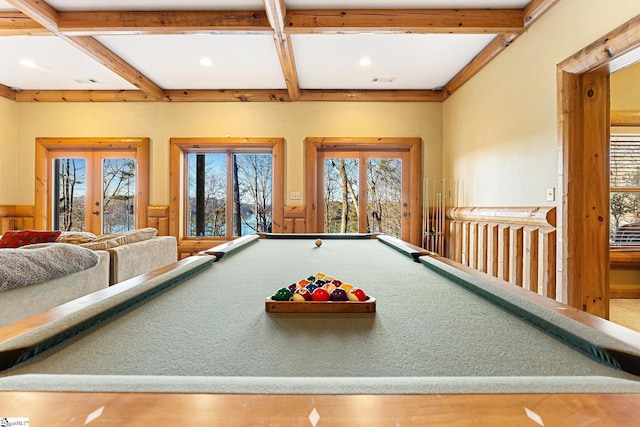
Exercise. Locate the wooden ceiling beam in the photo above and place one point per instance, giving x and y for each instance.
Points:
(7, 92)
(163, 22)
(19, 24)
(258, 95)
(276, 11)
(530, 14)
(48, 17)
(465, 21)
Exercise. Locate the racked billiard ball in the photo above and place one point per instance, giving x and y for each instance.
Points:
(283, 294)
(339, 295)
(320, 295)
(347, 287)
(311, 287)
(357, 294)
(302, 295)
(293, 287)
(329, 287)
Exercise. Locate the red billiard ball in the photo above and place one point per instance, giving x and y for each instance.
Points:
(302, 295)
(320, 294)
(357, 294)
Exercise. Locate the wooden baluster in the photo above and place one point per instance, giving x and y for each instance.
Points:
(492, 249)
(547, 264)
(504, 235)
(482, 248)
(465, 243)
(515, 255)
(530, 262)
(473, 245)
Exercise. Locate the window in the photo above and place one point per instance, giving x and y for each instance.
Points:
(229, 189)
(625, 190)
(226, 188)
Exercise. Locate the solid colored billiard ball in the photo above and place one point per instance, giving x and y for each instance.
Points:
(357, 294)
(320, 295)
(339, 295)
(311, 287)
(293, 287)
(320, 275)
(283, 294)
(318, 243)
(301, 295)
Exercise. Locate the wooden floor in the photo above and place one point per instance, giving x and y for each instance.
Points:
(625, 312)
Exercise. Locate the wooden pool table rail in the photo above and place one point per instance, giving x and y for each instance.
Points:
(209, 410)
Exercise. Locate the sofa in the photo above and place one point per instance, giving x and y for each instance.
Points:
(120, 256)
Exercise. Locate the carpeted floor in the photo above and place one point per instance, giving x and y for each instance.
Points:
(625, 312)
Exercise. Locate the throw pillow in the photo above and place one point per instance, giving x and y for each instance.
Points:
(15, 239)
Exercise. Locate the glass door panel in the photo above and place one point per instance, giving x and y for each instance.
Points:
(70, 194)
(252, 193)
(341, 195)
(384, 196)
(118, 195)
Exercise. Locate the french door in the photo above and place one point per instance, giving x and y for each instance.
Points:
(363, 192)
(364, 185)
(93, 191)
(99, 185)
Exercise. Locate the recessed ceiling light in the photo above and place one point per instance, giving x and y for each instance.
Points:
(206, 61)
(28, 63)
(365, 61)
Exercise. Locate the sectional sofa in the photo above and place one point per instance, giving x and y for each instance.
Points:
(119, 257)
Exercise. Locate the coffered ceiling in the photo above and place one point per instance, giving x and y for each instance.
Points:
(252, 50)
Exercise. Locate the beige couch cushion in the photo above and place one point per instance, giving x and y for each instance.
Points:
(108, 241)
(127, 261)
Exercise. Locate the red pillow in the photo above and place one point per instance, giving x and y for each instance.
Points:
(15, 239)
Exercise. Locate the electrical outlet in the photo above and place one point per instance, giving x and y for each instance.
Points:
(551, 194)
(295, 195)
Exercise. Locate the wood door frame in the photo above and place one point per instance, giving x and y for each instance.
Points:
(44, 146)
(314, 145)
(584, 129)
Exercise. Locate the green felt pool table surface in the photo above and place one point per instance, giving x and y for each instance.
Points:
(203, 328)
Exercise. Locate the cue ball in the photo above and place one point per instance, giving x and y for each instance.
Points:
(318, 243)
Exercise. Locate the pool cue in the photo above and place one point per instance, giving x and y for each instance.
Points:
(425, 213)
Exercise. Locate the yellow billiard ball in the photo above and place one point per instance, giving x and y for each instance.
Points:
(318, 243)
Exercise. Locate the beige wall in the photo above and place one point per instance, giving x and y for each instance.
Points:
(625, 88)
(8, 149)
(500, 129)
(161, 121)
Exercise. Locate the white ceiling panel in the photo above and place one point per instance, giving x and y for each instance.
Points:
(6, 7)
(397, 61)
(173, 61)
(50, 63)
(148, 53)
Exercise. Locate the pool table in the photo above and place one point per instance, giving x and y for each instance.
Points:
(193, 344)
